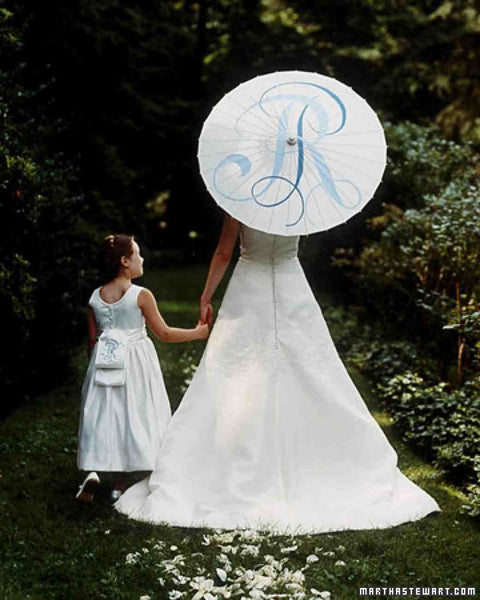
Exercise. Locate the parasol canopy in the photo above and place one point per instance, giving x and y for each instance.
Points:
(292, 153)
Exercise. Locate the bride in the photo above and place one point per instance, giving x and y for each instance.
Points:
(272, 434)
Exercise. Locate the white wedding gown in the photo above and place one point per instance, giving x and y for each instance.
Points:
(272, 434)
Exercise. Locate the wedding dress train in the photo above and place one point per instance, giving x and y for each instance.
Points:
(272, 433)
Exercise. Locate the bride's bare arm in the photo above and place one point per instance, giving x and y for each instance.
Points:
(219, 263)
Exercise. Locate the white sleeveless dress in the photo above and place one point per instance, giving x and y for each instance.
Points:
(121, 426)
(272, 434)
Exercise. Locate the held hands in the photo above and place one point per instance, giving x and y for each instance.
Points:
(209, 316)
(206, 313)
(203, 330)
(204, 324)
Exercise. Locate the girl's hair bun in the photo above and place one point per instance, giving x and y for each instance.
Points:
(113, 248)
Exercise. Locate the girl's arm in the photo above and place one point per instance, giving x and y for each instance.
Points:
(92, 330)
(148, 305)
(219, 263)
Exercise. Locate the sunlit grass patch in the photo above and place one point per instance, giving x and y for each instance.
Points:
(421, 471)
(382, 418)
(178, 307)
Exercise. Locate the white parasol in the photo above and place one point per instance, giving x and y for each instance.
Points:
(292, 153)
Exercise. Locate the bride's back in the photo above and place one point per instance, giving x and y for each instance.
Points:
(266, 247)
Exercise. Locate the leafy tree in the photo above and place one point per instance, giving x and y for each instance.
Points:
(45, 246)
(124, 80)
(415, 59)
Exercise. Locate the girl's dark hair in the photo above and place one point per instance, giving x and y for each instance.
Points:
(113, 248)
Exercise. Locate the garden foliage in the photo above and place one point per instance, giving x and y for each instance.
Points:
(421, 262)
(46, 248)
(101, 104)
(439, 419)
(418, 275)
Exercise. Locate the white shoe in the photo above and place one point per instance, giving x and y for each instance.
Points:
(86, 490)
(115, 495)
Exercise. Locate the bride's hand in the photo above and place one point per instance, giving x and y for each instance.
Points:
(204, 310)
(206, 313)
(209, 316)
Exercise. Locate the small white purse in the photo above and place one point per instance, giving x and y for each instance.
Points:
(111, 356)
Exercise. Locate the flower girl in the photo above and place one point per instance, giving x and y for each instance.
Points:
(125, 408)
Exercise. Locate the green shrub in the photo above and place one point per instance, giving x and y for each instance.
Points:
(375, 350)
(421, 161)
(443, 422)
(437, 418)
(421, 266)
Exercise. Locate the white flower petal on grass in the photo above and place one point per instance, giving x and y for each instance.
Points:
(224, 538)
(340, 563)
(229, 549)
(159, 546)
(289, 549)
(311, 558)
(249, 575)
(173, 548)
(276, 564)
(293, 587)
(341, 548)
(225, 561)
(132, 558)
(145, 598)
(222, 574)
(251, 536)
(298, 576)
(269, 571)
(249, 550)
(202, 585)
(260, 581)
(329, 553)
(174, 594)
(324, 595)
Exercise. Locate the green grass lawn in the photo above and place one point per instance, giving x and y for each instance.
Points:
(53, 548)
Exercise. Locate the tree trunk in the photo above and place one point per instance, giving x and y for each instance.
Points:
(460, 338)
